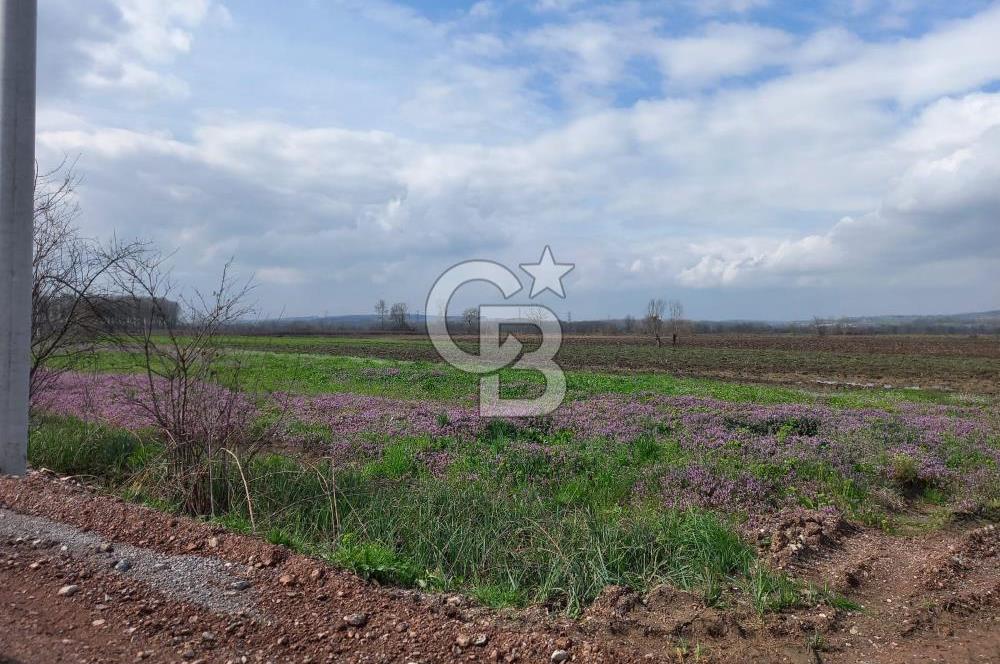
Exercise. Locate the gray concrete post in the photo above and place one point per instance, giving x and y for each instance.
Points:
(18, 21)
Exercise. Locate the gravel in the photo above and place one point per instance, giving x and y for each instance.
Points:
(206, 582)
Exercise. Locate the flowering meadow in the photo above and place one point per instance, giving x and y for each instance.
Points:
(631, 488)
(676, 451)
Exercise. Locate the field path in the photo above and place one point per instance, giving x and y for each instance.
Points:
(192, 592)
(188, 591)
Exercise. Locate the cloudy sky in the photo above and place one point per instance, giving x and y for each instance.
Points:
(752, 158)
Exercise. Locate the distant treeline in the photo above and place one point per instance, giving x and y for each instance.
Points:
(115, 313)
(823, 327)
(988, 323)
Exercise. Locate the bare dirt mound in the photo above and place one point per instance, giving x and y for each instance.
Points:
(793, 535)
(88, 578)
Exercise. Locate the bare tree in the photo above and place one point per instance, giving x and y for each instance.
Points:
(191, 388)
(676, 319)
(654, 319)
(819, 325)
(380, 311)
(629, 324)
(397, 314)
(71, 278)
(471, 319)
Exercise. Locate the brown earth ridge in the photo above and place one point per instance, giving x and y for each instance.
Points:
(89, 578)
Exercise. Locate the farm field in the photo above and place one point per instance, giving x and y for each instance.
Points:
(769, 506)
(958, 363)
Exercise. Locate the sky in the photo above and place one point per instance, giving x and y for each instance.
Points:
(763, 159)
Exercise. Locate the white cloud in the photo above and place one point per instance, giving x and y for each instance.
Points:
(126, 45)
(556, 5)
(503, 140)
(283, 276)
(723, 50)
(592, 51)
(952, 122)
(942, 208)
(728, 6)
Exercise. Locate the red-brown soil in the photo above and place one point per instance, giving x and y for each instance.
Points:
(926, 598)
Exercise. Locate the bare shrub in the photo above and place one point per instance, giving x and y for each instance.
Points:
(72, 277)
(654, 319)
(398, 313)
(192, 390)
(471, 319)
(677, 322)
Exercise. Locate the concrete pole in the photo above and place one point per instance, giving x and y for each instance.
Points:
(18, 21)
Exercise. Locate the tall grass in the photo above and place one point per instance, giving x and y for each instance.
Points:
(510, 535)
(75, 447)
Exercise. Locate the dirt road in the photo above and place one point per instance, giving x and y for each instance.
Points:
(88, 578)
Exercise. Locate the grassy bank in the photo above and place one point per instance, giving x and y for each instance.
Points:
(505, 521)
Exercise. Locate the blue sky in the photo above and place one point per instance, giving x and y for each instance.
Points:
(751, 158)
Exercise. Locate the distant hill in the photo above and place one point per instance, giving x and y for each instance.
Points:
(974, 321)
(987, 322)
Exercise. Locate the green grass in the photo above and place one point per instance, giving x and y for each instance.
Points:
(508, 523)
(502, 524)
(74, 447)
(419, 379)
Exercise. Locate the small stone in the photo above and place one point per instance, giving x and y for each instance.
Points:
(123, 565)
(315, 575)
(356, 619)
(282, 640)
(213, 542)
(99, 622)
(559, 656)
(463, 640)
(188, 654)
(105, 547)
(242, 584)
(286, 579)
(207, 636)
(480, 640)
(854, 630)
(69, 590)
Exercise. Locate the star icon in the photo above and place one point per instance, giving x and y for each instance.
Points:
(547, 274)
